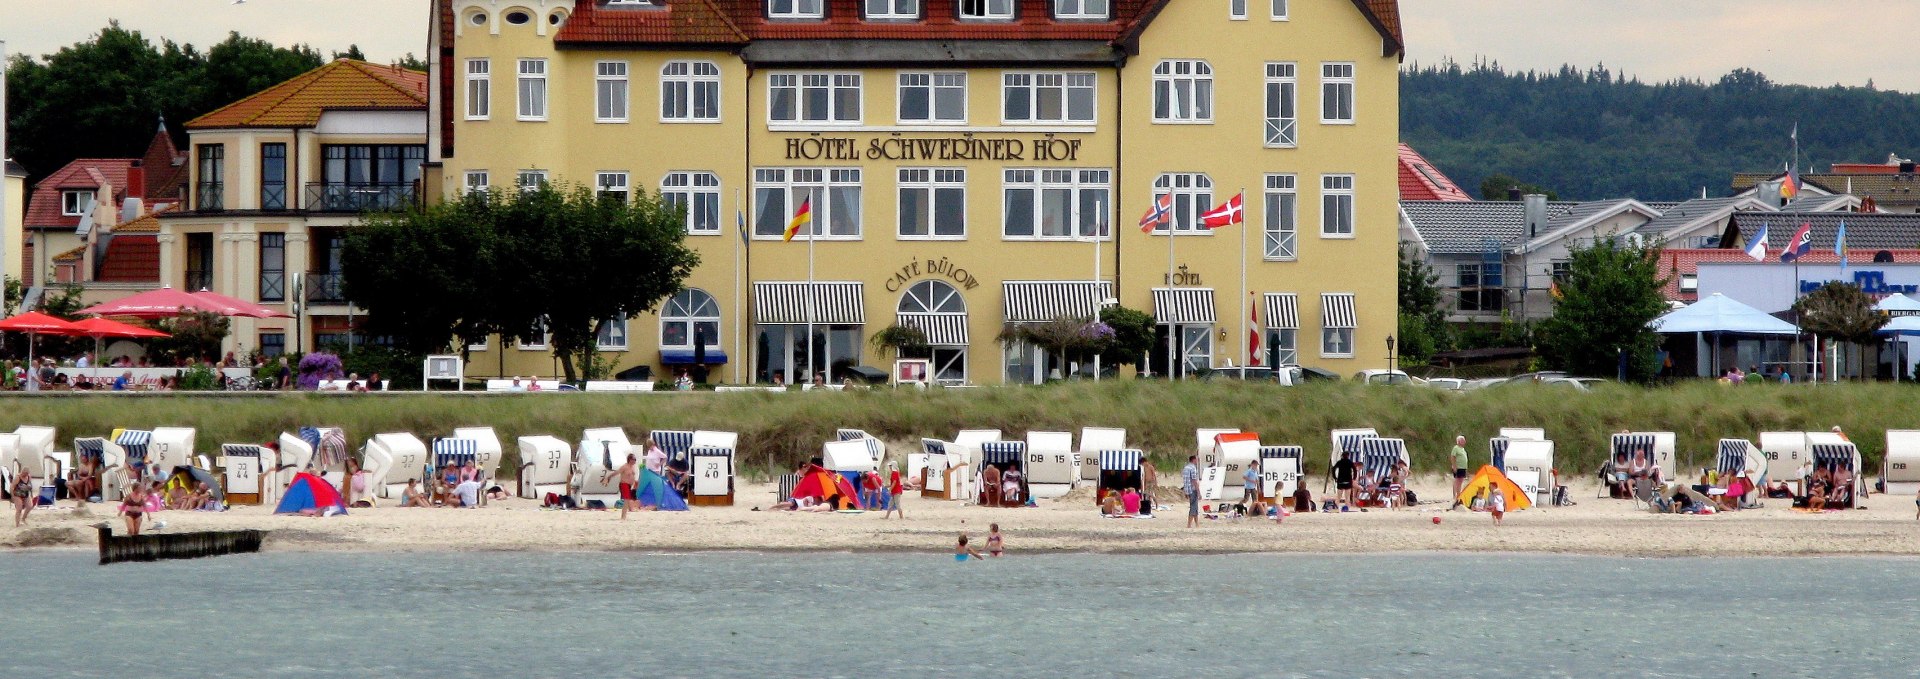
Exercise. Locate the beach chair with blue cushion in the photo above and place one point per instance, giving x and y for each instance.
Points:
(1632, 455)
(115, 473)
(130, 447)
(1378, 457)
(1280, 471)
(674, 442)
(1010, 458)
(1119, 470)
(708, 438)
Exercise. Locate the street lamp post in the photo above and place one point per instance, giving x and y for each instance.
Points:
(1389, 357)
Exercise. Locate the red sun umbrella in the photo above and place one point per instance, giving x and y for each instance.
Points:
(239, 307)
(35, 323)
(163, 303)
(99, 328)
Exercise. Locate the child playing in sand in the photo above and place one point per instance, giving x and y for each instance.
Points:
(995, 545)
(962, 551)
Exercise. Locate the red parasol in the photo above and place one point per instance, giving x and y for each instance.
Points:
(99, 328)
(163, 303)
(239, 307)
(35, 323)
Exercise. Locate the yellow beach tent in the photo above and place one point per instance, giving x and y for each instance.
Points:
(1489, 476)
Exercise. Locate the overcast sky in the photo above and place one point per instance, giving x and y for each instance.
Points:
(1814, 43)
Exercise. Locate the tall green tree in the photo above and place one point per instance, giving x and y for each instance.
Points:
(1612, 291)
(554, 262)
(1423, 322)
(1840, 311)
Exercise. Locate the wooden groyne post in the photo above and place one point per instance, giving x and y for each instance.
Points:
(154, 547)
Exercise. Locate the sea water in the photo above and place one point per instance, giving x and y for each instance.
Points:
(894, 614)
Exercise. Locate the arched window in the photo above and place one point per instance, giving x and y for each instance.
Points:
(688, 313)
(932, 297)
(1192, 196)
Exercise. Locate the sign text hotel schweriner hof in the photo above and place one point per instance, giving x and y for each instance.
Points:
(944, 149)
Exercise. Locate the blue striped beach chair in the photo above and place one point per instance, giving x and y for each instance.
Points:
(1010, 458)
(1497, 447)
(675, 443)
(1119, 469)
(1271, 485)
(457, 452)
(1839, 458)
(1378, 457)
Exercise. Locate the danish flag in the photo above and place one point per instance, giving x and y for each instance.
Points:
(1231, 212)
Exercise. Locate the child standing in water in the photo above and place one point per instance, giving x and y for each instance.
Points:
(962, 551)
(994, 544)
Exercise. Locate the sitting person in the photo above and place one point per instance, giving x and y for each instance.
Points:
(84, 482)
(178, 497)
(1302, 499)
(468, 493)
(495, 492)
(1130, 501)
(1110, 505)
(989, 485)
(1368, 492)
(1010, 488)
(1817, 494)
(1778, 489)
(1842, 490)
(412, 497)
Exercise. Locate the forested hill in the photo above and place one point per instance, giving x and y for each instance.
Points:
(1596, 134)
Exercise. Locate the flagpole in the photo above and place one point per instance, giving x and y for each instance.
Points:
(1246, 352)
(1171, 339)
(811, 233)
(1099, 301)
(739, 287)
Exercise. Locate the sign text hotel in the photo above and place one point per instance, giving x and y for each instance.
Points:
(944, 149)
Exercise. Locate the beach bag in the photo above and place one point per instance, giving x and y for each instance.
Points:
(1412, 499)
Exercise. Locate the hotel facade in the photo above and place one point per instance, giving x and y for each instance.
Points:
(969, 165)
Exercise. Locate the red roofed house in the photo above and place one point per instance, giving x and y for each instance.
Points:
(73, 225)
(277, 178)
(1420, 180)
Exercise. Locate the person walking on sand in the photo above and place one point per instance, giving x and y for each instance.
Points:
(1459, 467)
(629, 482)
(996, 545)
(893, 493)
(1343, 479)
(962, 551)
(1251, 480)
(1190, 484)
(134, 506)
(1496, 502)
(23, 499)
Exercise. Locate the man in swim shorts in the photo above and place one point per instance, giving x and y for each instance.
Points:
(629, 483)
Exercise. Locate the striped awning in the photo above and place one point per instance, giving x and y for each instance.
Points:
(710, 451)
(1002, 452)
(1733, 456)
(1281, 452)
(1498, 445)
(1350, 443)
(673, 443)
(1336, 311)
(1123, 460)
(785, 303)
(875, 448)
(1283, 310)
(1378, 456)
(942, 330)
(1833, 455)
(92, 447)
(1042, 301)
(934, 446)
(135, 442)
(1183, 305)
(454, 451)
(1625, 444)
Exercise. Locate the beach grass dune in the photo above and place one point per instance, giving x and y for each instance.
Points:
(779, 429)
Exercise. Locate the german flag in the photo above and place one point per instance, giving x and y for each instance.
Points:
(801, 218)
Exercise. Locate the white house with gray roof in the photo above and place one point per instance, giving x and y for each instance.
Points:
(1500, 258)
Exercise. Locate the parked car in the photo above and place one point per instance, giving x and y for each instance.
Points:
(1386, 377)
(1317, 374)
(1579, 383)
(1530, 378)
(1456, 384)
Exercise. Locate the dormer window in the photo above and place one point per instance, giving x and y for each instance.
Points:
(1079, 9)
(75, 203)
(796, 9)
(893, 9)
(986, 9)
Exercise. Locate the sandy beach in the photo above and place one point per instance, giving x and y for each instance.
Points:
(1593, 526)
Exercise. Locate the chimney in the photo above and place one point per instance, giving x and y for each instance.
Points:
(1513, 194)
(1535, 213)
(137, 179)
(1906, 167)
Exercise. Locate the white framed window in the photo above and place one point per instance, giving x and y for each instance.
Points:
(1277, 10)
(893, 9)
(75, 203)
(690, 92)
(476, 181)
(1237, 10)
(1336, 206)
(1689, 282)
(1336, 93)
(933, 98)
(479, 89)
(612, 335)
(1283, 346)
(1281, 208)
(528, 180)
(610, 185)
(1192, 196)
(610, 91)
(539, 340)
(1183, 91)
(1080, 9)
(933, 203)
(477, 346)
(796, 9)
(1337, 322)
(834, 192)
(1043, 97)
(1056, 204)
(822, 98)
(699, 194)
(1282, 106)
(986, 9)
(688, 314)
(533, 89)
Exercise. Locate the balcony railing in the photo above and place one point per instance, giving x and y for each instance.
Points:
(323, 287)
(210, 196)
(326, 197)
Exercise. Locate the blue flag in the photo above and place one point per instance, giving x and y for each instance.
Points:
(1840, 243)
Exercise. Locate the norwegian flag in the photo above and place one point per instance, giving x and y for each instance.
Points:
(1161, 213)
(1230, 212)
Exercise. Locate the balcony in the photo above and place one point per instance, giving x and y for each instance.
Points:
(324, 288)
(210, 196)
(326, 197)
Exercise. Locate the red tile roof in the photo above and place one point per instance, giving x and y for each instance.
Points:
(1420, 180)
(43, 209)
(737, 22)
(131, 259)
(165, 167)
(342, 84)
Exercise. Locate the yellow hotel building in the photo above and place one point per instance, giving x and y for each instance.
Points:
(970, 164)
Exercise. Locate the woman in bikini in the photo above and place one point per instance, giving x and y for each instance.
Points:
(134, 506)
(995, 545)
(22, 491)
